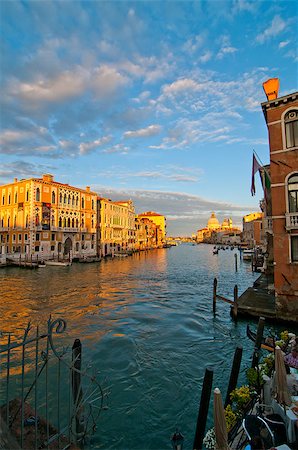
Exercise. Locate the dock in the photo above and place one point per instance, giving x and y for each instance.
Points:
(259, 300)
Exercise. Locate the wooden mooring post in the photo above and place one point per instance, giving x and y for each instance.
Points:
(214, 294)
(259, 337)
(233, 303)
(203, 409)
(236, 264)
(76, 385)
(234, 372)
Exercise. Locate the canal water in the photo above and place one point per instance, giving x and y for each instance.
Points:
(146, 325)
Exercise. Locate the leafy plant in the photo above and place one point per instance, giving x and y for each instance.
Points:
(241, 396)
(284, 335)
(231, 417)
(254, 377)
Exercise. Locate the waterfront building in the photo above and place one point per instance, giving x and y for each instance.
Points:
(116, 226)
(216, 232)
(281, 116)
(42, 218)
(160, 221)
(253, 234)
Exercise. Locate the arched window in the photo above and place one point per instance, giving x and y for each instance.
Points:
(53, 197)
(92, 223)
(15, 221)
(69, 199)
(68, 222)
(27, 221)
(27, 196)
(65, 198)
(92, 204)
(83, 202)
(38, 195)
(64, 222)
(8, 221)
(60, 222)
(77, 223)
(293, 193)
(73, 201)
(60, 198)
(3, 200)
(77, 246)
(16, 197)
(72, 222)
(291, 129)
(9, 199)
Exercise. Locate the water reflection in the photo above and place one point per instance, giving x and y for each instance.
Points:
(146, 324)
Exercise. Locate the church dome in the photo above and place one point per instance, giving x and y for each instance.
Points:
(213, 223)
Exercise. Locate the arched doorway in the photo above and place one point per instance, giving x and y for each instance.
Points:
(67, 246)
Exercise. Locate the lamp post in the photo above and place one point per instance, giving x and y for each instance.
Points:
(177, 440)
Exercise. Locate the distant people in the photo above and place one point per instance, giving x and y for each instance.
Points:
(292, 358)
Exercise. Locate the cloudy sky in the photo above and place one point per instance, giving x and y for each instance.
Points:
(154, 101)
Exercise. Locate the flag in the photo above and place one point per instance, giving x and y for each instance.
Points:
(255, 167)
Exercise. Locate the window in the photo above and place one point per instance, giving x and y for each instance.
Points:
(52, 248)
(53, 197)
(27, 195)
(60, 222)
(13, 237)
(36, 248)
(293, 193)
(83, 202)
(60, 198)
(294, 248)
(37, 236)
(53, 236)
(9, 199)
(20, 238)
(16, 197)
(26, 237)
(291, 128)
(38, 195)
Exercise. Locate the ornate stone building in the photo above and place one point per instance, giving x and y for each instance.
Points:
(42, 218)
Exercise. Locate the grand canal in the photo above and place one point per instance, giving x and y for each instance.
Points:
(146, 324)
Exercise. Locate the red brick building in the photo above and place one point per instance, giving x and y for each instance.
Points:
(281, 115)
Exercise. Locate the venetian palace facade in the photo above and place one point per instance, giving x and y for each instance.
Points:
(43, 218)
(281, 116)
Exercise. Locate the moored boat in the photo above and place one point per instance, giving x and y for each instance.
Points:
(58, 263)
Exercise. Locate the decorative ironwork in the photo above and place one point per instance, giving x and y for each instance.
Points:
(46, 390)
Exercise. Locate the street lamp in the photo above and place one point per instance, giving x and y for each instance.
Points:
(177, 440)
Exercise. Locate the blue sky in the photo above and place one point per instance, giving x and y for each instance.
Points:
(154, 101)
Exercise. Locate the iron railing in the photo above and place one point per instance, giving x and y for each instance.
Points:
(49, 400)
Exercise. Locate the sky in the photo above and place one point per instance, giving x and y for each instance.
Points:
(154, 101)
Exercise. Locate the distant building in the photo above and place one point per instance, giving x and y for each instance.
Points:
(281, 197)
(160, 221)
(42, 218)
(116, 226)
(216, 232)
(252, 233)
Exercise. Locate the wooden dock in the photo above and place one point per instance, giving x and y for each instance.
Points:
(258, 300)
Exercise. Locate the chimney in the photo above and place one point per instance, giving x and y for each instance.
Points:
(271, 88)
(15, 180)
(48, 177)
(88, 188)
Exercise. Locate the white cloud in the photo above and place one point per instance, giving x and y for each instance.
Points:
(206, 56)
(88, 147)
(283, 44)
(151, 130)
(118, 148)
(276, 27)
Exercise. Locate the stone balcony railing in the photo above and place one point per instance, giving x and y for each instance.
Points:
(69, 229)
(292, 221)
(267, 221)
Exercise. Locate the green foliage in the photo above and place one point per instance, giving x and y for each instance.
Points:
(241, 396)
(254, 378)
(231, 417)
(284, 335)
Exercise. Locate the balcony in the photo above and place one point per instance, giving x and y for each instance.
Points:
(68, 229)
(267, 222)
(4, 228)
(292, 221)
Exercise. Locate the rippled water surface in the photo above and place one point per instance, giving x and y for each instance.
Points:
(146, 323)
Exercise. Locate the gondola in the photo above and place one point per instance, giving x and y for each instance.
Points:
(267, 343)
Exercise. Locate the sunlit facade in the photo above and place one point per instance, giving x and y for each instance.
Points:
(42, 218)
(116, 226)
(281, 200)
(160, 221)
(214, 231)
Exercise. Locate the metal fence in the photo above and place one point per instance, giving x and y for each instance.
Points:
(47, 399)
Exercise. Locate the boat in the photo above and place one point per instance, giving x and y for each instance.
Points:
(247, 253)
(121, 255)
(215, 252)
(58, 263)
(268, 343)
